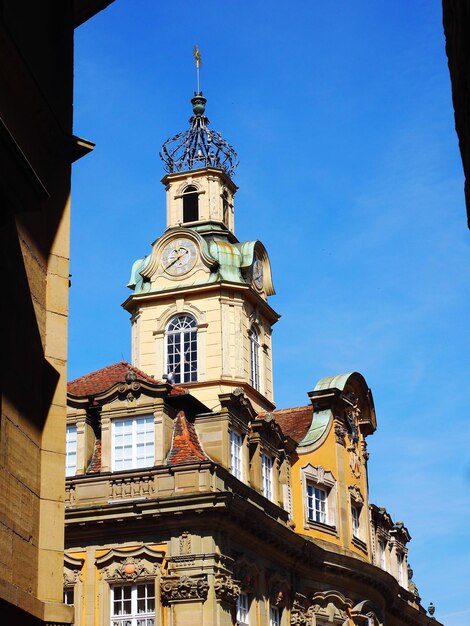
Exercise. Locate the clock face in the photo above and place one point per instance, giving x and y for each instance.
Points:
(179, 256)
(258, 274)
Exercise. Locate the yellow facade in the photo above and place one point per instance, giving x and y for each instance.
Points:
(186, 485)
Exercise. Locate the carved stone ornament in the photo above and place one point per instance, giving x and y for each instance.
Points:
(130, 569)
(354, 461)
(72, 571)
(340, 432)
(185, 543)
(298, 614)
(184, 589)
(329, 606)
(226, 589)
(278, 590)
(119, 565)
(247, 574)
(355, 494)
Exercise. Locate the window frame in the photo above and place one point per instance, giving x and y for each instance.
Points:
(134, 444)
(236, 460)
(242, 619)
(186, 374)
(71, 450)
(134, 616)
(255, 370)
(316, 477)
(267, 467)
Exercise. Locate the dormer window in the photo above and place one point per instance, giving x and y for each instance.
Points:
(190, 204)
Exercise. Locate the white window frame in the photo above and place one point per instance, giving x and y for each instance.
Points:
(317, 504)
(236, 454)
(133, 442)
(71, 450)
(254, 359)
(316, 477)
(134, 617)
(243, 610)
(182, 363)
(267, 475)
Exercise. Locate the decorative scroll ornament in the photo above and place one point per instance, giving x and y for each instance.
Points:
(199, 146)
(226, 589)
(184, 589)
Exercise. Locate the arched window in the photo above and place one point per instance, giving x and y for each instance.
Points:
(181, 349)
(190, 204)
(254, 354)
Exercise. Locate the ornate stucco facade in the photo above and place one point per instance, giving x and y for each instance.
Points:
(190, 499)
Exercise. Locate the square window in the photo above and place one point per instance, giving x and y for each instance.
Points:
(317, 504)
(133, 443)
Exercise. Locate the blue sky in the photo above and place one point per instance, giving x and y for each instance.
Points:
(349, 173)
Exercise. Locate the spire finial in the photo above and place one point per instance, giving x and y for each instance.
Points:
(198, 60)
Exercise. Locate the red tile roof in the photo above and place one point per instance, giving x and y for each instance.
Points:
(185, 445)
(105, 378)
(294, 422)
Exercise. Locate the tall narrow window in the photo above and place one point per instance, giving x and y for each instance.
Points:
(400, 568)
(381, 547)
(243, 618)
(190, 204)
(355, 519)
(236, 443)
(133, 443)
(133, 605)
(267, 476)
(317, 504)
(71, 450)
(181, 349)
(254, 350)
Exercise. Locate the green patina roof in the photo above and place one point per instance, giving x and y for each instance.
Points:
(338, 381)
(318, 427)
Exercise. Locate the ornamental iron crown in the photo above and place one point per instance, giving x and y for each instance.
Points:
(198, 146)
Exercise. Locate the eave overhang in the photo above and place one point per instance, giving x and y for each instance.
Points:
(138, 299)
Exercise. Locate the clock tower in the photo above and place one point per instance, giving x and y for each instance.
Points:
(199, 304)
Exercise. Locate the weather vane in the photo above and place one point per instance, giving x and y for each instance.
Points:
(197, 58)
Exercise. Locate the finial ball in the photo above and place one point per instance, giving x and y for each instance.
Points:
(199, 103)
